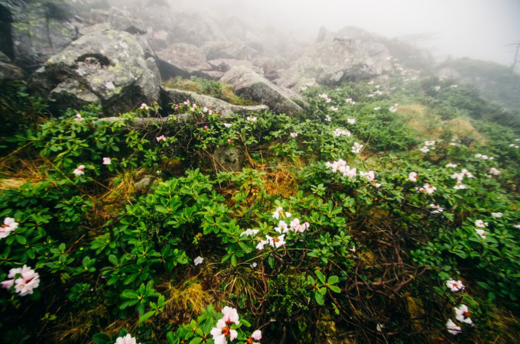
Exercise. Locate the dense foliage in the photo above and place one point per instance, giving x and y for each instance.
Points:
(358, 221)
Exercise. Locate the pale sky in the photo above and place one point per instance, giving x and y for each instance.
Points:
(479, 29)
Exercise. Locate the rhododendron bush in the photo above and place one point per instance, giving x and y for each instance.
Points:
(345, 223)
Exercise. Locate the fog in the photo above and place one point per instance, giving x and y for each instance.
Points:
(479, 29)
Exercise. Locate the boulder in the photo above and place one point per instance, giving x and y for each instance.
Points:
(34, 31)
(224, 65)
(250, 85)
(228, 50)
(170, 95)
(184, 60)
(228, 158)
(108, 68)
(9, 71)
(120, 20)
(349, 55)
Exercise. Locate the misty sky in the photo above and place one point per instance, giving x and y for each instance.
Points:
(480, 29)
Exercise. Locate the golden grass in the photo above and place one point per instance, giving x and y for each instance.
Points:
(186, 299)
(418, 117)
(463, 130)
(122, 186)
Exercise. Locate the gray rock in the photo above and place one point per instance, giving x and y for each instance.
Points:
(105, 67)
(122, 20)
(252, 86)
(9, 71)
(33, 31)
(228, 50)
(183, 60)
(349, 55)
(228, 158)
(170, 95)
(224, 65)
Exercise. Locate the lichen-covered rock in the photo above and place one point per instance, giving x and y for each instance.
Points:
(183, 60)
(349, 55)
(170, 95)
(106, 67)
(250, 85)
(228, 158)
(33, 31)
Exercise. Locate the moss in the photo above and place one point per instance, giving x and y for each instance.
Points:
(211, 88)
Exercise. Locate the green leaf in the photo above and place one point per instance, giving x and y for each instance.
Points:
(146, 316)
(333, 280)
(21, 240)
(101, 338)
(319, 298)
(321, 277)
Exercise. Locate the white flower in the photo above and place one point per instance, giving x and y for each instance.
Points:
(453, 328)
(294, 134)
(379, 327)
(107, 161)
(351, 121)
(78, 117)
(350, 101)
(393, 108)
(230, 315)
(25, 280)
(436, 209)
(478, 155)
(254, 265)
(453, 143)
(356, 148)
(198, 260)
(160, 138)
(9, 225)
(494, 171)
(339, 132)
(257, 335)
(481, 232)
(425, 149)
(333, 108)
(377, 108)
(481, 224)
(462, 314)
(497, 214)
(327, 118)
(222, 331)
(517, 226)
(79, 170)
(261, 244)
(437, 88)
(459, 186)
(279, 212)
(427, 188)
(275, 241)
(126, 340)
(249, 232)
(204, 109)
(451, 166)
(251, 118)
(227, 125)
(144, 106)
(282, 227)
(454, 285)
(413, 177)
(429, 143)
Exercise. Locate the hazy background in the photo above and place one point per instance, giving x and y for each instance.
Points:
(480, 29)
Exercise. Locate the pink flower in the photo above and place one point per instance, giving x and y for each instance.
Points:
(453, 328)
(462, 314)
(78, 117)
(294, 134)
(160, 138)
(257, 335)
(126, 340)
(144, 106)
(206, 127)
(230, 315)
(9, 225)
(79, 170)
(229, 140)
(25, 280)
(107, 161)
(454, 285)
(413, 176)
(222, 332)
(198, 260)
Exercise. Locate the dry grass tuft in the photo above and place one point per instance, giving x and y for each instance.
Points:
(464, 130)
(417, 116)
(186, 299)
